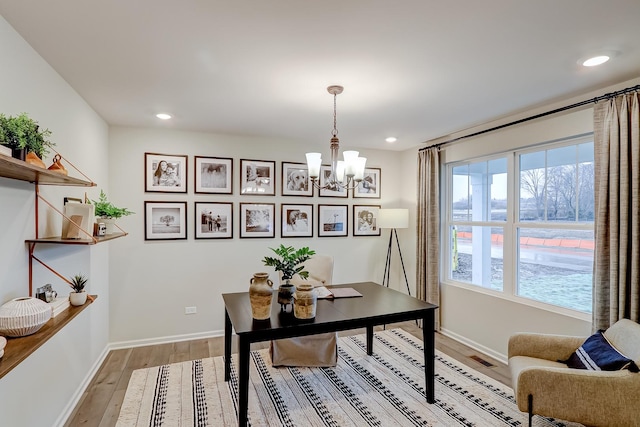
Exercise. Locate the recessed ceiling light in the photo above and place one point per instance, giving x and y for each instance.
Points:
(163, 116)
(595, 60)
(391, 139)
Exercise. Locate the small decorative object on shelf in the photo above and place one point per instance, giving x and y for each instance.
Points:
(3, 343)
(260, 295)
(78, 296)
(287, 263)
(305, 302)
(23, 316)
(23, 135)
(108, 212)
(57, 165)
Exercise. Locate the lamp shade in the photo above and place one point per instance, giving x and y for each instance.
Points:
(393, 218)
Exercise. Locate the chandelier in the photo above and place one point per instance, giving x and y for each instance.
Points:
(344, 174)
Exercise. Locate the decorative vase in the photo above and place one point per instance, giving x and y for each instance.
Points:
(260, 295)
(77, 298)
(305, 302)
(285, 295)
(23, 316)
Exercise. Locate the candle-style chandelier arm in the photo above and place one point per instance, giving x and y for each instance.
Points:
(345, 174)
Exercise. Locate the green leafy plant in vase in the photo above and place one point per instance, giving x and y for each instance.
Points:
(288, 262)
(79, 295)
(108, 211)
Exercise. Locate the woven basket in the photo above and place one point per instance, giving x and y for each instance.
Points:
(23, 316)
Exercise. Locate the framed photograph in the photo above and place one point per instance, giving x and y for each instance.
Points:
(365, 220)
(257, 177)
(297, 221)
(332, 220)
(370, 185)
(213, 175)
(165, 173)
(325, 173)
(257, 219)
(295, 180)
(165, 220)
(214, 220)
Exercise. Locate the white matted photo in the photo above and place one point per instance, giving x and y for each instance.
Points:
(257, 177)
(365, 220)
(295, 180)
(165, 173)
(370, 185)
(297, 220)
(165, 220)
(257, 219)
(214, 220)
(213, 175)
(332, 190)
(332, 220)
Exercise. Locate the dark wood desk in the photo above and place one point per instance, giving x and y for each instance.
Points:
(378, 305)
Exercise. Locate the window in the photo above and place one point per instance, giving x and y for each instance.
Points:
(522, 224)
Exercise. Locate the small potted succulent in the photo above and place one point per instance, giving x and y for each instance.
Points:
(108, 212)
(79, 295)
(288, 262)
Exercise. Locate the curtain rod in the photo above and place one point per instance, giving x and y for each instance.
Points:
(537, 116)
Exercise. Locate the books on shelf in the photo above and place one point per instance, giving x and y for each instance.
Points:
(58, 305)
(326, 293)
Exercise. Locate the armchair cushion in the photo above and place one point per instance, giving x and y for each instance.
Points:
(598, 354)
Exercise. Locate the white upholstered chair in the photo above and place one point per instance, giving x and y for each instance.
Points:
(313, 350)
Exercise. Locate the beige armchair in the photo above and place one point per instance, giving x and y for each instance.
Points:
(544, 386)
(314, 350)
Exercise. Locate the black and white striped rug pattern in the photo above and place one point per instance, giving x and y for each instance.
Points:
(385, 389)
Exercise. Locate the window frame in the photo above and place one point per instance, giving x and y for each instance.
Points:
(510, 226)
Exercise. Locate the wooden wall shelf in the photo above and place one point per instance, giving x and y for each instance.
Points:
(60, 241)
(22, 171)
(18, 349)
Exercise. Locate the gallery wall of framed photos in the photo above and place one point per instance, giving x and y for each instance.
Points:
(217, 206)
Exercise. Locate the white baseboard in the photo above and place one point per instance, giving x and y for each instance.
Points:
(68, 410)
(165, 340)
(474, 345)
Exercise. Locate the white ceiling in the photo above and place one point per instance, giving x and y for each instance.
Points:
(414, 69)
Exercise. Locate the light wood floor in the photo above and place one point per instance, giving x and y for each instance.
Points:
(100, 404)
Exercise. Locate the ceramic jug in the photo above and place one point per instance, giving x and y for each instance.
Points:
(260, 292)
(305, 302)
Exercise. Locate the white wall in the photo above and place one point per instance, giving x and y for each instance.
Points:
(153, 281)
(42, 388)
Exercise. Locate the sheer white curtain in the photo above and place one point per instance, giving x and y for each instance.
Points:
(616, 273)
(428, 228)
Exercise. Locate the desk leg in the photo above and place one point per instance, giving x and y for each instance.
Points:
(369, 340)
(243, 381)
(227, 346)
(428, 338)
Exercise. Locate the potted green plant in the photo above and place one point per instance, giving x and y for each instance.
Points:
(23, 135)
(79, 295)
(288, 262)
(108, 211)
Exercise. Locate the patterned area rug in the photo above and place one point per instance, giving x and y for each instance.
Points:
(386, 389)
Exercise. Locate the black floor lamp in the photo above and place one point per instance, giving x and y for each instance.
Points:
(393, 219)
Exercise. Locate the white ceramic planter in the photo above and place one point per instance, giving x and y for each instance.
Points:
(77, 298)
